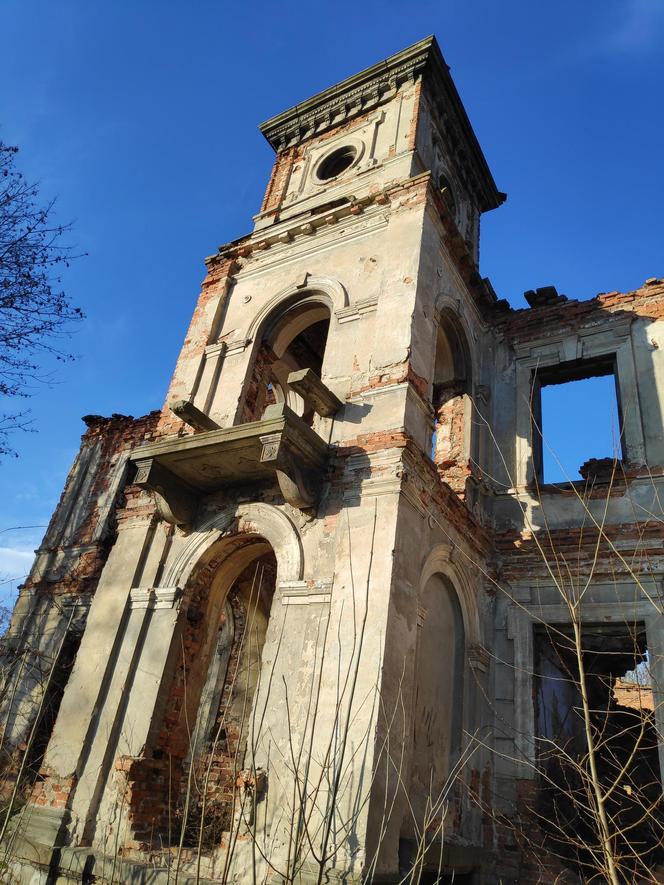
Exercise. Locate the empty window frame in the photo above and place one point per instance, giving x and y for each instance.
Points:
(577, 420)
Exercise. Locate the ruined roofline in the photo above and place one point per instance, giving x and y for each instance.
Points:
(530, 324)
(374, 86)
(652, 288)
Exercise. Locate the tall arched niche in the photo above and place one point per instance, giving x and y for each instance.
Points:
(451, 400)
(228, 572)
(448, 631)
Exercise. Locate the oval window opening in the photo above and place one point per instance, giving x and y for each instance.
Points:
(337, 162)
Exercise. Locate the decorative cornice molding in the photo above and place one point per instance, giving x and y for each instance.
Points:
(238, 346)
(305, 592)
(286, 232)
(571, 342)
(357, 310)
(219, 348)
(349, 98)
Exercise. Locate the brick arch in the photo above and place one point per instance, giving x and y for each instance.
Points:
(454, 441)
(211, 569)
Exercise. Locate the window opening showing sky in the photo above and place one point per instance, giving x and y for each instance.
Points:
(579, 422)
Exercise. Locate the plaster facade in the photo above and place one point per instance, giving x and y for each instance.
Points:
(278, 616)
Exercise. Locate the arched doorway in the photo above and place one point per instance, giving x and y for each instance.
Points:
(186, 789)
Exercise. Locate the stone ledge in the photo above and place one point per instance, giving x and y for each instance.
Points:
(182, 470)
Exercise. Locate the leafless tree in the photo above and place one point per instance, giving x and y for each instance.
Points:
(35, 313)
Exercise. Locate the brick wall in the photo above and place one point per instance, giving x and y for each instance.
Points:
(528, 323)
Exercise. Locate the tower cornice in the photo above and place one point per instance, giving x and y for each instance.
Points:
(375, 86)
(347, 99)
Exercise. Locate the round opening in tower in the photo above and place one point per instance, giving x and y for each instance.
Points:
(336, 163)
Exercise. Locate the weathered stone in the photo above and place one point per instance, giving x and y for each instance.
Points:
(192, 416)
(314, 392)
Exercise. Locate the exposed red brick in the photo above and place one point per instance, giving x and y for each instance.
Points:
(527, 324)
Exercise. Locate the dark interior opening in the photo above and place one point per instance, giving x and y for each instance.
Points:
(269, 378)
(422, 863)
(626, 750)
(307, 350)
(52, 700)
(336, 163)
(218, 750)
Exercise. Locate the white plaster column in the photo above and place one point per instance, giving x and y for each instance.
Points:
(318, 703)
(130, 707)
(84, 719)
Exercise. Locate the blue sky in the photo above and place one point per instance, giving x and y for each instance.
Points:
(141, 117)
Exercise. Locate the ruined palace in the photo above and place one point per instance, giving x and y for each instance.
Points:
(323, 617)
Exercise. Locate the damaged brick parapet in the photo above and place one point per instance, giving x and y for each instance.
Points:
(560, 315)
(82, 528)
(626, 549)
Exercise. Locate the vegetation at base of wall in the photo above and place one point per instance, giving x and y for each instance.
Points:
(596, 809)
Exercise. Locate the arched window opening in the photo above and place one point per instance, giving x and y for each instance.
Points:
(205, 742)
(295, 340)
(450, 444)
(437, 700)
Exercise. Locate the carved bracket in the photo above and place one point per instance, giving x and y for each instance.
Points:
(176, 501)
(299, 485)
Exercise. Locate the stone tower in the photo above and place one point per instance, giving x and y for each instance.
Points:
(276, 610)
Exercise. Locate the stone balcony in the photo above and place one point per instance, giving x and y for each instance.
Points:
(181, 471)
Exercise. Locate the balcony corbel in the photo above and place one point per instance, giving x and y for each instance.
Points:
(176, 501)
